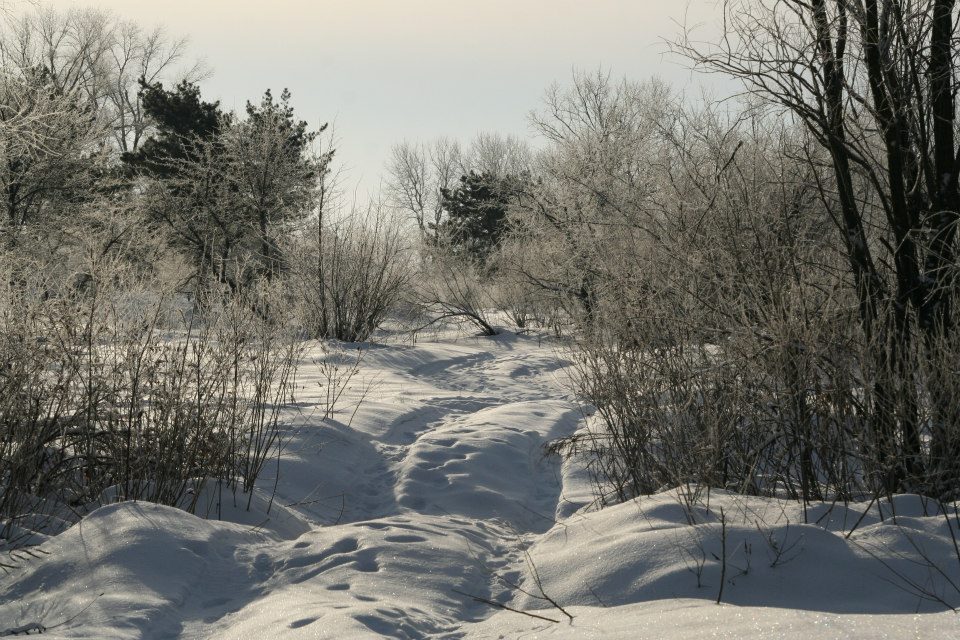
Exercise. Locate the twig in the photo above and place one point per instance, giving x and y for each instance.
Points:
(27, 629)
(862, 516)
(504, 607)
(723, 553)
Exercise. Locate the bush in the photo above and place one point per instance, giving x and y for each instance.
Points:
(112, 390)
(718, 333)
(350, 274)
(452, 287)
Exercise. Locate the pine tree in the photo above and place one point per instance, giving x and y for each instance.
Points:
(228, 189)
(476, 212)
(180, 118)
(273, 170)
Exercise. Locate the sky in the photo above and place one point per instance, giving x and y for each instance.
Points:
(384, 71)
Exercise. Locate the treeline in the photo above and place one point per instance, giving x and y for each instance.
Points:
(95, 143)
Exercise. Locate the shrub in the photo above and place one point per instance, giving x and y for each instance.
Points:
(350, 274)
(112, 390)
(452, 287)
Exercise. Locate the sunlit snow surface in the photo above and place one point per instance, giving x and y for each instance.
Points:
(391, 520)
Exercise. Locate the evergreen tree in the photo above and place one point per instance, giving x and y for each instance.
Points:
(274, 173)
(181, 118)
(476, 212)
(228, 189)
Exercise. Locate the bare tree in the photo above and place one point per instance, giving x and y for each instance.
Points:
(94, 56)
(70, 47)
(418, 175)
(596, 182)
(48, 147)
(137, 54)
(873, 81)
(497, 155)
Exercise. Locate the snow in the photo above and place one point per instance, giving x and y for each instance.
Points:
(399, 516)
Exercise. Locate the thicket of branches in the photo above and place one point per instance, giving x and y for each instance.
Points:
(349, 272)
(117, 387)
(873, 84)
(765, 291)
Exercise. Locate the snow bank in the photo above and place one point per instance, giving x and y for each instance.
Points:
(668, 619)
(124, 570)
(656, 548)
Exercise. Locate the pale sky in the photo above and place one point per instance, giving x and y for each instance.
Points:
(387, 70)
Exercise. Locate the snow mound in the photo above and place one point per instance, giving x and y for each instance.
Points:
(123, 570)
(489, 465)
(682, 619)
(213, 500)
(658, 548)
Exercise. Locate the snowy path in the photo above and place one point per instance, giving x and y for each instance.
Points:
(386, 521)
(427, 490)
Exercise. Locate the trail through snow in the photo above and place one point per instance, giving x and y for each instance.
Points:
(397, 518)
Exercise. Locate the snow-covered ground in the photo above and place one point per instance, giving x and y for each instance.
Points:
(402, 516)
